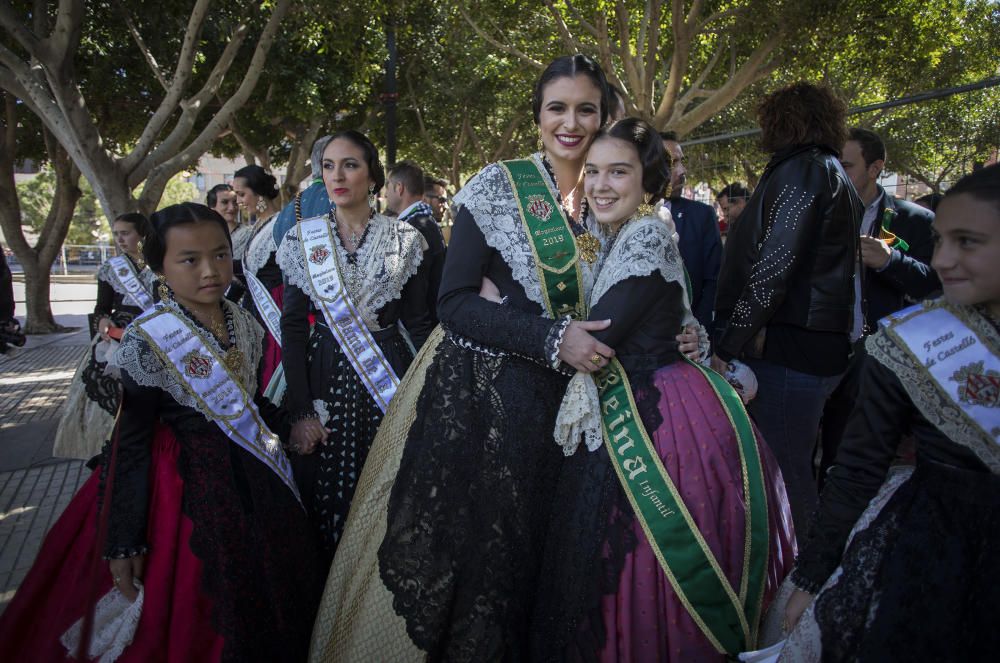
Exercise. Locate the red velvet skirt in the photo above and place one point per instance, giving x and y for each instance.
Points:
(272, 351)
(175, 623)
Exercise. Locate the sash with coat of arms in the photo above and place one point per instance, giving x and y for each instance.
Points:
(957, 350)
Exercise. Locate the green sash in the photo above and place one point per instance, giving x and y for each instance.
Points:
(729, 619)
(550, 237)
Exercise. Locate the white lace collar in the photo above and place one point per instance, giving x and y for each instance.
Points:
(144, 366)
(642, 247)
(241, 239)
(260, 246)
(146, 277)
(388, 258)
(492, 202)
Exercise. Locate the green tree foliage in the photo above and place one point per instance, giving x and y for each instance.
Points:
(887, 51)
(88, 225)
(321, 74)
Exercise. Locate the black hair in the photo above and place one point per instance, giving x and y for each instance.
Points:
(734, 191)
(138, 221)
(259, 181)
(411, 175)
(930, 200)
(212, 195)
(617, 98)
(430, 182)
(652, 155)
(155, 246)
(669, 135)
(872, 147)
(983, 184)
(569, 66)
(375, 169)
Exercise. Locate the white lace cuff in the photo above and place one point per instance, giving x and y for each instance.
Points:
(554, 341)
(115, 622)
(579, 416)
(704, 346)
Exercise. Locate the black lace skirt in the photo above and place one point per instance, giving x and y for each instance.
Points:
(470, 505)
(327, 478)
(261, 569)
(922, 582)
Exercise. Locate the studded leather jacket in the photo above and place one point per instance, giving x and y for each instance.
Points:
(791, 258)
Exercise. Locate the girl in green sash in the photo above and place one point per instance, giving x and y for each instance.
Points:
(903, 562)
(670, 531)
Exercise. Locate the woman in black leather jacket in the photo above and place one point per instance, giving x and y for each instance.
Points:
(786, 290)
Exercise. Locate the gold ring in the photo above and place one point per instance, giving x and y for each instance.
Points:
(596, 360)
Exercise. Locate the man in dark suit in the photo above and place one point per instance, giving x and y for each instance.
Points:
(896, 250)
(405, 196)
(698, 228)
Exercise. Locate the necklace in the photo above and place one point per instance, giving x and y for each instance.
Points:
(224, 331)
(355, 239)
(589, 245)
(139, 263)
(352, 268)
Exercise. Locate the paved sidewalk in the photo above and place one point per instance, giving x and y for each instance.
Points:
(34, 486)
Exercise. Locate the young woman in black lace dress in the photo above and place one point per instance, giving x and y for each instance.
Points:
(380, 306)
(194, 509)
(461, 548)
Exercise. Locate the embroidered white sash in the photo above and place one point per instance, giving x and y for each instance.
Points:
(205, 377)
(123, 271)
(341, 315)
(266, 305)
(961, 364)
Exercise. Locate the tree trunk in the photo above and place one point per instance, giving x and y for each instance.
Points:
(37, 280)
(36, 261)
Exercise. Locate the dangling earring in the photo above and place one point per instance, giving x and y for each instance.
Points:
(164, 290)
(644, 209)
(668, 190)
(261, 205)
(371, 196)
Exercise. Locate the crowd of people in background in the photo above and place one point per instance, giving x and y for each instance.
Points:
(564, 414)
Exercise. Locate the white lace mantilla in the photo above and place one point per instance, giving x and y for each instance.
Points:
(241, 240)
(146, 277)
(143, 365)
(491, 200)
(259, 248)
(388, 258)
(642, 247)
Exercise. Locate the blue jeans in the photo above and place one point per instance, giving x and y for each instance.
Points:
(787, 410)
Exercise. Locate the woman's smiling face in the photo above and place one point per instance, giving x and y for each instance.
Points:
(570, 116)
(613, 180)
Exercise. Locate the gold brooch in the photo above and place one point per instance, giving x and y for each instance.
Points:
(233, 359)
(589, 247)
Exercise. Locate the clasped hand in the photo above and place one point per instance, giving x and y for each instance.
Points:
(307, 434)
